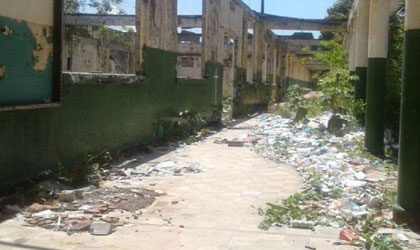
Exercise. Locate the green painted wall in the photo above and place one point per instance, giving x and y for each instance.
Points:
(99, 116)
(249, 97)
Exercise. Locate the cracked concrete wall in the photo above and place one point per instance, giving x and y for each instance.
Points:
(156, 24)
(213, 33)
(189, 61)
(85, 49)
(92, 55)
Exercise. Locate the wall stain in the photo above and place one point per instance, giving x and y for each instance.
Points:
(2, 73)
(44, 48)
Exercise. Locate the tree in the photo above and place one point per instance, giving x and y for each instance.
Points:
(335, 84)
(339, 11)
(101, 6)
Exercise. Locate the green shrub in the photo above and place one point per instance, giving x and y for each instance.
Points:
(337, 92)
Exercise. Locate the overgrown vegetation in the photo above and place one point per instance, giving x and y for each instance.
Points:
(335, 89)
(184, 126)
(394, 73)
(296, 103)
(335, 84)
(341, 10)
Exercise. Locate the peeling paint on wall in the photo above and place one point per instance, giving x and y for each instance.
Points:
(6, 31)
(44, 48)
(2, 72)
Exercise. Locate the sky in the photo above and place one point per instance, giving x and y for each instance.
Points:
(316, 9)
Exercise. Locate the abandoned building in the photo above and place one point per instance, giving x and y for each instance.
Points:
(76, 85)
(153, 73)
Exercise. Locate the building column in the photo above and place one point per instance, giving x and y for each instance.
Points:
(376, 77)
(259, 38)
(352, 55)
(407, 209)
(244, 59)
(352, 50)
(274, 78)
(361, 59)
(141, 41)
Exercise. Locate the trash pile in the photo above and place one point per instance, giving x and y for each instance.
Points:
(152, 169)
(99, 211)
(339, 190)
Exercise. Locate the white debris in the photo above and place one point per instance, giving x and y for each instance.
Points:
(46, 214)
(354, 183)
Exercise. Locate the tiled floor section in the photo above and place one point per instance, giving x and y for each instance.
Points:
(215, 209)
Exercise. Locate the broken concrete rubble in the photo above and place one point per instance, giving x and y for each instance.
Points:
(111, 206)
(93, 209)
(166, 168)
(100, 228)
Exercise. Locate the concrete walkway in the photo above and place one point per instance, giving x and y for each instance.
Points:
(215, 209)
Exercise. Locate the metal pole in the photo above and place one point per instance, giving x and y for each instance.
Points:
(262, 6)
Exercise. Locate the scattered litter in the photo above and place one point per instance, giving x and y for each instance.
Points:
(347, 235)
(338, 189)
(166, 168)
(402, 237)
(70, 195)
(100, 228)
(221, 141)
(235, 143)
(36, 207)
(302, 224)
(47, 214)
(375, 202)
(82, 225)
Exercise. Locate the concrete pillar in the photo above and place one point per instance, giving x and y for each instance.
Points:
(244, 59)
(213, 32)
(274, 78)
(259, 40)
(141, 28)
(407, 209)
(352, 55)
(361, 58)
(352, 50)
(376, 77)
